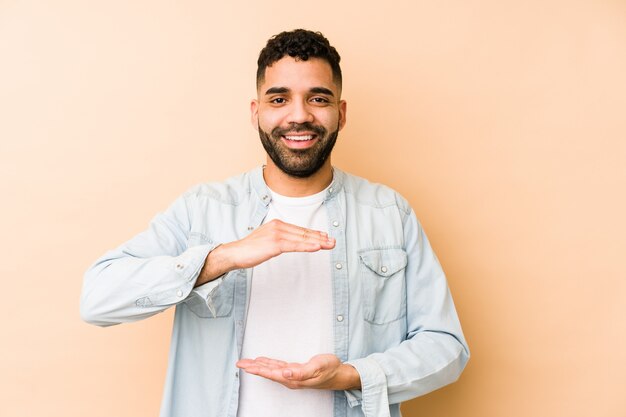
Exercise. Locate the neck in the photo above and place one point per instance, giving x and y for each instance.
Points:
(288, 186)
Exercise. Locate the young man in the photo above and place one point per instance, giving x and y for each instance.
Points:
(300, 290)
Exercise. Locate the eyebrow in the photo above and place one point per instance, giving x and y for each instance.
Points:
(277, 90)
(314, 90)
(322, 90)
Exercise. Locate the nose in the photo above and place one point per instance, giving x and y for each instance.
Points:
(300, 112)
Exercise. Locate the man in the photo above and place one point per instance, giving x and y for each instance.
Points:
(300, 290)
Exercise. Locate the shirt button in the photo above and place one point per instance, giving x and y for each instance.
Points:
(179, 293)
(340, 318)
(180, 266)
(330, 190)
(265, 197)
(338, 266)
(335, 223)
(383, 269)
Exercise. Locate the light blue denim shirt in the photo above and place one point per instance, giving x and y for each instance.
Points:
(394, 319)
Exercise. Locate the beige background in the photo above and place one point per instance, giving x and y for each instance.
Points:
(503, 123)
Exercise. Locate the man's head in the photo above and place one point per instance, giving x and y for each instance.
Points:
(301, 45)
(298, 111)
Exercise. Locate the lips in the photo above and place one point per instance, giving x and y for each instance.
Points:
(299, 141)
(299, 137)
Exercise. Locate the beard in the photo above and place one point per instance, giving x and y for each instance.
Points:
(299, 163)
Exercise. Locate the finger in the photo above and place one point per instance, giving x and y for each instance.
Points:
(245, 363)
(260, 365)
(296, 231)
(314, 234)
(266, 372)
(303, 232)
(287, 237)
(322, 238)
(293, 377)
(255, 367)
(309, 236)
(270, 361)
(291, 246)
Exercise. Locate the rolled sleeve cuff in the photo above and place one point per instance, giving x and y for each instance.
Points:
(187, 267)
(206, 291)
(373, 393)
(190, 263)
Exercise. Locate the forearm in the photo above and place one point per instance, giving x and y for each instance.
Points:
(152, 271)
(416, 367)
(120, 288)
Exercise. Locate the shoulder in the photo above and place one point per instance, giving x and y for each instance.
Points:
(365, 192)
(231, 191)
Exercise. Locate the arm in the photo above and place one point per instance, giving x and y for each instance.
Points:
(434, 353)
(145, 275)
(155, 269)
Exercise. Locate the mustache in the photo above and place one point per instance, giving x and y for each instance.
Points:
(298, 127)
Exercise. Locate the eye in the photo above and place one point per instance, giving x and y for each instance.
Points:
(278, 100)
(320, 100)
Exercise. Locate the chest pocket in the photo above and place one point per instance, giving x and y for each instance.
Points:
(383, 282)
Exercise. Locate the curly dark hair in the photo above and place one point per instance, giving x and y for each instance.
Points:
(300, 44)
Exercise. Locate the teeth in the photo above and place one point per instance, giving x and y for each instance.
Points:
(299, 138)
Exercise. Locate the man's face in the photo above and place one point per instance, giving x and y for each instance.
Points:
(298, 114)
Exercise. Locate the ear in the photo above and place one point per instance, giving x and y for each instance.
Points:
(254, 113)
(342, 113)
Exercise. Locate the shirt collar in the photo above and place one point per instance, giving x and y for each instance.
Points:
(263, 192)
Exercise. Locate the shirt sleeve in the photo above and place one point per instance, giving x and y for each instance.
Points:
(435, 351)
(145, 275)
(206, 291)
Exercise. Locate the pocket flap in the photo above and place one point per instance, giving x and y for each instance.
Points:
(384, 262)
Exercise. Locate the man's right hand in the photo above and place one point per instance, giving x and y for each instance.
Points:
(268, 241)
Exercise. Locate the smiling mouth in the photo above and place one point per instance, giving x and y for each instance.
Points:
(299, 138)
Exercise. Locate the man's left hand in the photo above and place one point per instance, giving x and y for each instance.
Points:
(322, 371)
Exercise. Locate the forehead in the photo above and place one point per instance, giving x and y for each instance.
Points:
(298, 75)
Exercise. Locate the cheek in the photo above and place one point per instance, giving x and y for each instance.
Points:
(268, 121)
(329, 121)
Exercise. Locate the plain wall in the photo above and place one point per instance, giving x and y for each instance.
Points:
(502, 122)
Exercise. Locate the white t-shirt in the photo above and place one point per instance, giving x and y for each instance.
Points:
(289, 316)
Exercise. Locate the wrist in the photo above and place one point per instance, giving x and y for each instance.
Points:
(350, 377)
(216, 264)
